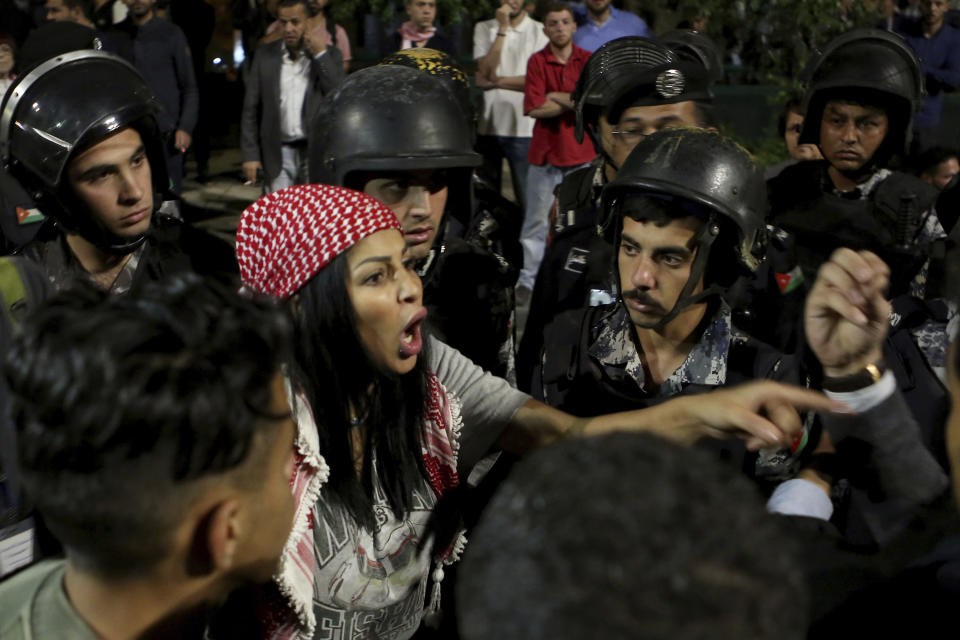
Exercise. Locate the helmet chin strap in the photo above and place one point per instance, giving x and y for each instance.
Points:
(90, 230)
(602, 221)
(598, 145)
(123, 248)
(705, 240)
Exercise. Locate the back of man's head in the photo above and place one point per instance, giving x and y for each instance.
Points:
(628, 536)
(83, 9)
(128, 409)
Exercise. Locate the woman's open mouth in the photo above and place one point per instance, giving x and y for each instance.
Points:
(411, 338)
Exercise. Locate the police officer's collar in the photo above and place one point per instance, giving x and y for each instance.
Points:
(64, 268)
(706, 364)
(424, 267)
(861, 191)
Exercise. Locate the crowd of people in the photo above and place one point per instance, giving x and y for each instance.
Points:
(662, 394)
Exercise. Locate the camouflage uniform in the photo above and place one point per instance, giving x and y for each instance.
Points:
(706, 364)
(604, 373)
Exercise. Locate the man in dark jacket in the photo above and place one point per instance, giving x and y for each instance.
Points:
(161, 54)
(937, 45)
(286, 82)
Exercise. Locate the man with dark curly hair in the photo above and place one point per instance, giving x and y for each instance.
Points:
(628, 536)
(159, 454)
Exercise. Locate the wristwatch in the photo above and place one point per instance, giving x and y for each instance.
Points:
(867, 376)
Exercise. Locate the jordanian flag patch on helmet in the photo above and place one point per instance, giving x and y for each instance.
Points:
(790, 280)
(27, 216)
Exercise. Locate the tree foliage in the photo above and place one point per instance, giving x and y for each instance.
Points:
(778, 38)
(773, 39)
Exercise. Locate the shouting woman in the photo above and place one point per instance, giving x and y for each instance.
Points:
(389, 419)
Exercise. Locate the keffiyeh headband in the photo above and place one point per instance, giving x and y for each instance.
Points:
(286, 237)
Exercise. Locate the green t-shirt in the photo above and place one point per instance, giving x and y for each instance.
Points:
(34, 606)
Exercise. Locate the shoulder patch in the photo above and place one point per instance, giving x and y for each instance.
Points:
(29, 216)
(577, 260)
(789, 281)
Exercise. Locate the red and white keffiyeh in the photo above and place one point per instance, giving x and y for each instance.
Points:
(290, 615)
(286, 237)
(409, 31)
(283, 241)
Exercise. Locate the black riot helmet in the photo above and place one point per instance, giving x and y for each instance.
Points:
(443, 67)
(63, 106)
(696, 172)
(636, 71)
(694, 46)
(616, 67)
(390, 118)
(869, 66)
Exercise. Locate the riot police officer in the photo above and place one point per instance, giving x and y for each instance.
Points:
(680, 237)
(400, 135)
(629, 88)
(79, 132)
(495, 218)
(861, 96)
(685, 216)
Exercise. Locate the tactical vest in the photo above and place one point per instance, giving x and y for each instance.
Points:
(22, 287)
(823, 222)
(569, 379)
(172, 246)
(922, 389)
(468, 293)
(576, 270)
(587, 258)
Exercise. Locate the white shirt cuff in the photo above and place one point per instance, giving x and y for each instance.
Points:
(867, 398)
(799, 497)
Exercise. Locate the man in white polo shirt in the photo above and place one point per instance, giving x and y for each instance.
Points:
(502, 47)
